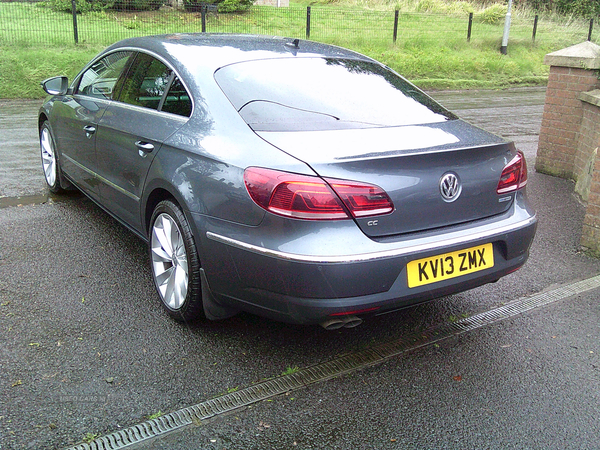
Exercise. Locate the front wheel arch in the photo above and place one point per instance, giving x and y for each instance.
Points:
(51, 164)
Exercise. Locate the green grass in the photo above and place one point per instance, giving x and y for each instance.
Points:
(290, 370)
(156, 415)
(431, 49)
(23, 68)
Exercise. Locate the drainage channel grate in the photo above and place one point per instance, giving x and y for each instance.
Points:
(330, 369)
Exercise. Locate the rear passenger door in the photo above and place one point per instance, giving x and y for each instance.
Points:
(152, 105)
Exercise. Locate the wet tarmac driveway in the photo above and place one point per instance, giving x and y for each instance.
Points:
(87, 350)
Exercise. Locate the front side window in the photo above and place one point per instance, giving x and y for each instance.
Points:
(100, 79)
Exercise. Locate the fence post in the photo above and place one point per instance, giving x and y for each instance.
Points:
(396, 14)
(203, 17)
(535, 22)
(308, 22)
(504, 45)
(591, 29)
(470, 27)
(75, 32)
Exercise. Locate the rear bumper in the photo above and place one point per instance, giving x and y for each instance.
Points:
(323, 276)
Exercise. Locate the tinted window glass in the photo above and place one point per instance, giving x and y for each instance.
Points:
(145, 82)
(177, 100)
(324, 93)
(100, 79)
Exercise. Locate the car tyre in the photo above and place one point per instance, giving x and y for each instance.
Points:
(175, 263)
(51, 162)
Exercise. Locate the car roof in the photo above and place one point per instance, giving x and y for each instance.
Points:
(218, 50)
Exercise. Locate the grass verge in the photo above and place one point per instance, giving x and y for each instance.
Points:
(23, 68)
(431, 49)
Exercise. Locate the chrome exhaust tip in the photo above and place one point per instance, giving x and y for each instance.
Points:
(336, 323)
(351, 321)
(333, 324)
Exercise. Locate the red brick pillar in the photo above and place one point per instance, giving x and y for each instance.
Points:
(572, 71)
(590, 142)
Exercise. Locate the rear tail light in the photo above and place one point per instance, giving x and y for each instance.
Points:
(308, 197)
(514, 175)
(362, 199)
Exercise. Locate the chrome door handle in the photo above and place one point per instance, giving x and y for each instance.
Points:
(89, 130)
(146, 147)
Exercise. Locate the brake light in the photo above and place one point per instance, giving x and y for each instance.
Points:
(310, 197)
(362, 199)
(514, 175)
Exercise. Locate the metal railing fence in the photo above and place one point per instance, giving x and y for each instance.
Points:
(32, 23)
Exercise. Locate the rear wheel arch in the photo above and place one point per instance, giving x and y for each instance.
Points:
(159, 192)
(154, 198)
(199, 302)
(175, 260)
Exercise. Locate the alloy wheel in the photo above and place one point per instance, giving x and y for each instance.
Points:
(48, 157)
(169, 261)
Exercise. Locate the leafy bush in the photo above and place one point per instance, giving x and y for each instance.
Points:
(197, 5)
(493, 14)
(84, 6)
(460, 7)
(584, 8)
(230, 6)
(224, 6)
(444, 7)
(434, 6)
(135, 5)
(538, 5)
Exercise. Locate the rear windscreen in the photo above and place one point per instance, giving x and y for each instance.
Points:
(293, 94)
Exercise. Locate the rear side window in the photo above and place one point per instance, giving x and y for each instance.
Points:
(146, 82)
(100, 80)
(288, 94)
(177, 100)
(151, 84)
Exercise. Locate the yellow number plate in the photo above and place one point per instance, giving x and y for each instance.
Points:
(449, 265)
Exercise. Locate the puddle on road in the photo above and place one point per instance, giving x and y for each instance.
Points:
(37, 199)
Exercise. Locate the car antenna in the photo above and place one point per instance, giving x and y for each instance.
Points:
(294, 43)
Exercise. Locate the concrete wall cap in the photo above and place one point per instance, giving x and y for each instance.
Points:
(581, 56)
(592, 97)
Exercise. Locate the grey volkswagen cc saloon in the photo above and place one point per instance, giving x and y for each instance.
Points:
(298, 181)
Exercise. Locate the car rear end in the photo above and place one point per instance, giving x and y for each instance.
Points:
(404, 203)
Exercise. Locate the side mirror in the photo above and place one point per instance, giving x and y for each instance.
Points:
(56, 85)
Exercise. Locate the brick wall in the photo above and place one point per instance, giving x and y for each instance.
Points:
(563, 114)
(570, 134)
(589, 143)
(589, 135)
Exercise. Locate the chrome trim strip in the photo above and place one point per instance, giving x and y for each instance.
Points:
(146, 110)
(104, 180)
(81, 166)
(365, 257)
